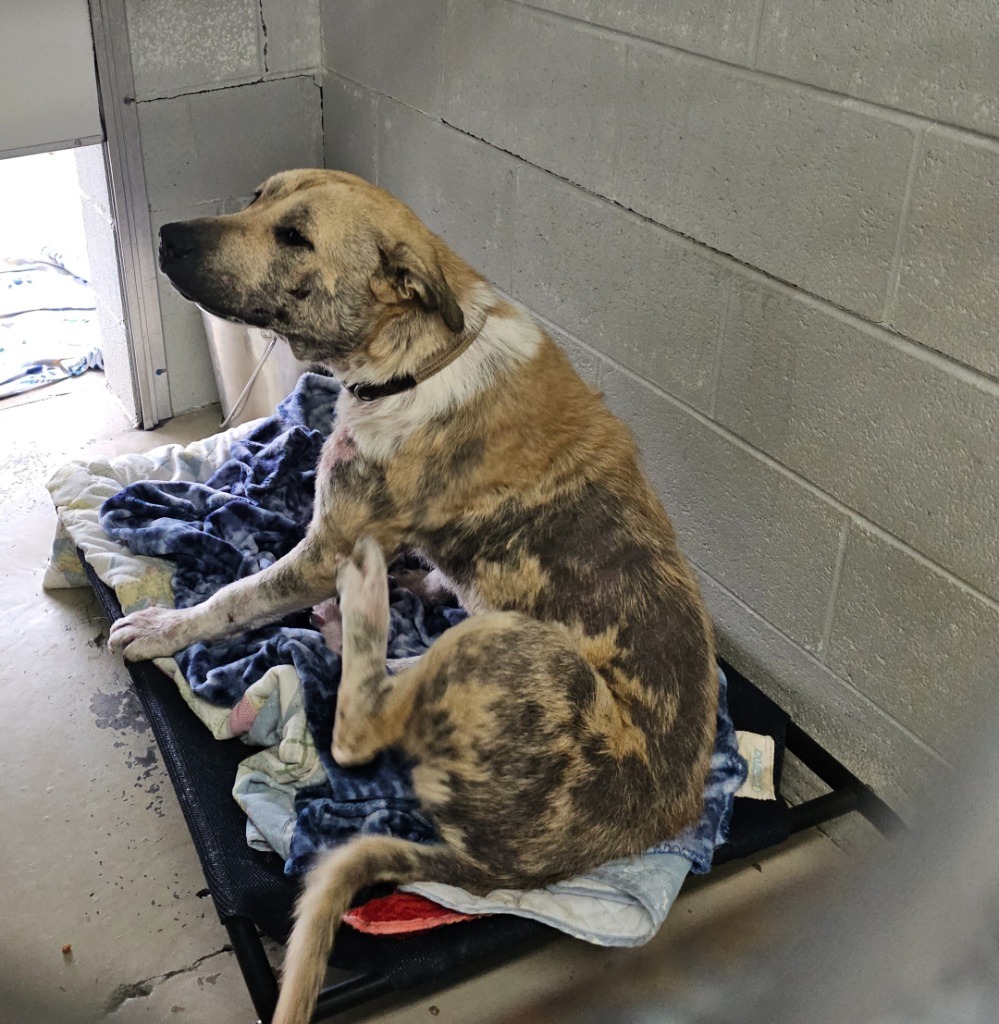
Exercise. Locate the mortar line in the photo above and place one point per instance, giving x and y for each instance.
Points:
(443, 62)
(516, 223)
(375, 112)
(719, 348)
(859, 694)
(895, 267)
(822, 649)
(619, 107)
(754, 43)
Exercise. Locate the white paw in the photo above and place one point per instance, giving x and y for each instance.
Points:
(151, 633)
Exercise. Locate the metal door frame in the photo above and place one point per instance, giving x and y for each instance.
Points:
(130, 209)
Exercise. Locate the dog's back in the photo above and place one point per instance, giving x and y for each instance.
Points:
(555, 519)
(539, 506)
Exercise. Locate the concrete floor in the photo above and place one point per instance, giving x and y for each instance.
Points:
(96, 849)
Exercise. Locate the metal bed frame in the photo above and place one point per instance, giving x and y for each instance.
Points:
(197, 764)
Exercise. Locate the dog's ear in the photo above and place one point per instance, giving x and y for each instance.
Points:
(402, 276)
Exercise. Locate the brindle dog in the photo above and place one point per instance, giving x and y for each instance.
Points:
(570, 719)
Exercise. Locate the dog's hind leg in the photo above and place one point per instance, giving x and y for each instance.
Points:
(371, 711)
(370, 704)
(332, 883)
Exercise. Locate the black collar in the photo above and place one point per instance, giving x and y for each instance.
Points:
(365, 392)
(372, 392)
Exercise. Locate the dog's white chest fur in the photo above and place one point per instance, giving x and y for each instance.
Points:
(379, 428)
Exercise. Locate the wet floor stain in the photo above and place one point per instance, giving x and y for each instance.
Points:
(120, 711)
(149, 777)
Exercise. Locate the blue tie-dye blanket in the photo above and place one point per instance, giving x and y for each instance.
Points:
(248, 513)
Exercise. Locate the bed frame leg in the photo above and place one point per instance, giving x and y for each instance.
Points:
(258, 974)
(849, 793)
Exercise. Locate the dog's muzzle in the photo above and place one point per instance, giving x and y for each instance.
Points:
(184, 245)
(177, 242)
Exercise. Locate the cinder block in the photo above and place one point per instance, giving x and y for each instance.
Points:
(893, 435)
(541, 87)
(102, 255)
(224, 143)
(627, 287)
(182, 45)
(866, 739)
(463, 189)
(931, 58)
(920, 646)
(764, 537)
(391, 47)
(948, 289)
(806, 188)
(189, 364)
(290, 35)
(724, 31)
(349, 129)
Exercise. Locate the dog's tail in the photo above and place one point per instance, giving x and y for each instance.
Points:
(331, 885)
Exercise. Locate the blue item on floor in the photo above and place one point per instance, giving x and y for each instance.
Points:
(48, 325)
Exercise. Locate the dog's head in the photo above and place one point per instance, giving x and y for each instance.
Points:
(322, 257)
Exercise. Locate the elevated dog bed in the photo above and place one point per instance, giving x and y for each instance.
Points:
(173, 525)
(253, 897)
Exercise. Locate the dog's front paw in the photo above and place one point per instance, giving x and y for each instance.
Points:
(151, 633)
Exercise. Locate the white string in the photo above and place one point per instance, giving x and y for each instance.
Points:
(245, 393)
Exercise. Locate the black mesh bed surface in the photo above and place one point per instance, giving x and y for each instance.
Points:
(251, 892)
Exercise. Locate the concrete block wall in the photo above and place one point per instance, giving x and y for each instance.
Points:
(227, 92)
(770, 237)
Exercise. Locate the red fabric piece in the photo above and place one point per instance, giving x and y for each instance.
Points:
(401, 913)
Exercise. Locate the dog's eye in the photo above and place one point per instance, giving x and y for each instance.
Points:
(292, 236)
(256, 196)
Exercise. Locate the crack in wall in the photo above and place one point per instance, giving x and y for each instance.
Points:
(322, 114)
(143, 989)
(263, 34)
(270, 76)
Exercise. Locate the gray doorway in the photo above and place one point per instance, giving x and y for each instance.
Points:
(65, 71)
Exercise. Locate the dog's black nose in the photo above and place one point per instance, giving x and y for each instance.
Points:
(176, 241)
